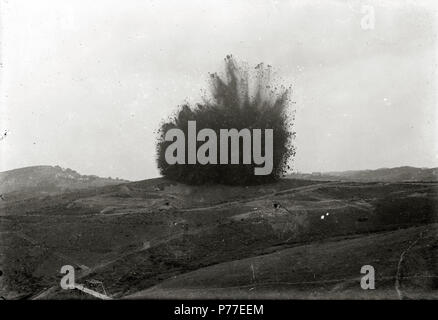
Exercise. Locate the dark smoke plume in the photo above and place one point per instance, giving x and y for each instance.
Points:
(235, 102)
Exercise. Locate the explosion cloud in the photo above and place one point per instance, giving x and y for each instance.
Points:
(236, 101)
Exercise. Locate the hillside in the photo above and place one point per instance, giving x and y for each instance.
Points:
(399, 174)
(48, 180)
(157, 238)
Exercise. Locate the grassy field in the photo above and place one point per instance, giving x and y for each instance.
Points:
(292, 239)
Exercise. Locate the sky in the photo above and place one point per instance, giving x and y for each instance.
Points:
(85, 84)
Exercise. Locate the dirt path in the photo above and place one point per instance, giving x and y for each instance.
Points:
(266, 196)
(398, 276)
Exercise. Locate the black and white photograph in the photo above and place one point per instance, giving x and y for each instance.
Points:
(218, 150)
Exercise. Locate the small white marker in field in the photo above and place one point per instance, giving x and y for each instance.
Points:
(322, 217)
(327, 214)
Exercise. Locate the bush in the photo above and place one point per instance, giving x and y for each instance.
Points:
(234, 104)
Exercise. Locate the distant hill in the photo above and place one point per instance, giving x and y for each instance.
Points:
(398, 174)
(49, 179)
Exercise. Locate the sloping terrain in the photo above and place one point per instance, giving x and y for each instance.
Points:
(320, 270)
(44, 180)
(291, 239)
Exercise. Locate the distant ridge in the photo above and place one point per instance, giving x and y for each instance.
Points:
(49, 179)
(398, 174)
